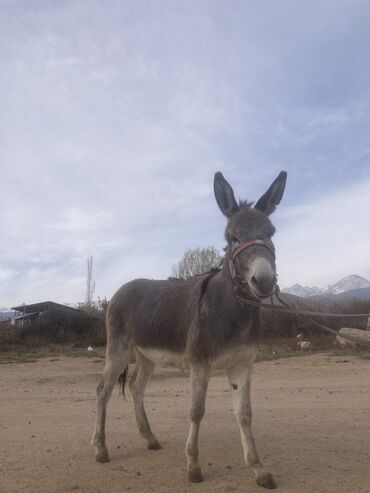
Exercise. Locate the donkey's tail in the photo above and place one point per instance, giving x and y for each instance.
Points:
(122, 380)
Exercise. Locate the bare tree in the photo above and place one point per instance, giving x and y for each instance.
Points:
(196, 261)
(90, 283)
(102, 306)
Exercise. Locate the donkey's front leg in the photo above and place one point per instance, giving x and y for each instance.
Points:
(240, 380)
(199, 383)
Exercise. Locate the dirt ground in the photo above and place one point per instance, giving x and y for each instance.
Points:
(311, 421)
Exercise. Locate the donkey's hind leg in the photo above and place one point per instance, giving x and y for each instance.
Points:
(143, 371)
(116, 362)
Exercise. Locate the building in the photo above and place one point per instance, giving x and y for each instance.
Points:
(25, 315)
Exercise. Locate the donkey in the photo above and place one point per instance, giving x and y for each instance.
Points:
(203, 322)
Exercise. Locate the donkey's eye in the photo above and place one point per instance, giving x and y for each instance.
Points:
(234, 239)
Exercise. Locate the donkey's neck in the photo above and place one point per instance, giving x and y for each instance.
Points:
(226, 266)
(225, 324)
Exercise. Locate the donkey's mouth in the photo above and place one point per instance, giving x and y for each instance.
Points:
(259, 295)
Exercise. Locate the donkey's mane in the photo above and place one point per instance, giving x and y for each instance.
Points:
(245, 203)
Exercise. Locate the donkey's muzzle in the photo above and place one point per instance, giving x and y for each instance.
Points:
(263, 283)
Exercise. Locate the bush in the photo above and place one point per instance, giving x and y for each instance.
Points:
(60, 327)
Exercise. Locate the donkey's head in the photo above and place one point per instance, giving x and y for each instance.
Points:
(248, 234)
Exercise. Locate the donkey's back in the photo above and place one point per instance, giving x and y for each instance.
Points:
(154, 313)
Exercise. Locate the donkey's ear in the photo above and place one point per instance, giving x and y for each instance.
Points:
(270, 199)
(224, 195)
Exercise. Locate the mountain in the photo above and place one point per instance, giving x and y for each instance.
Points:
(302, 291)
(348, 283)
(351, 283)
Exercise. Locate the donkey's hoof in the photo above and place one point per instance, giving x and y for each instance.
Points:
(266, 480)
(196, 476)
(154, 445)
(102, 456)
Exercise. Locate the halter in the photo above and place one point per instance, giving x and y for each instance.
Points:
(236, 277)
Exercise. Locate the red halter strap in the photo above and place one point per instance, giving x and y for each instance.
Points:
(243, 246)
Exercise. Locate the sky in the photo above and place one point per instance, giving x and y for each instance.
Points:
(115, 116)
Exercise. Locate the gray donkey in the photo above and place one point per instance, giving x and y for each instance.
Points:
(202, 322)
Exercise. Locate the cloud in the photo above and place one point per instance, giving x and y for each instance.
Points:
(321, 241)
(116, 116)
(6, 274)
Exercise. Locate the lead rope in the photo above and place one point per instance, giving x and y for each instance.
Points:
(357, 340)
(305, 314)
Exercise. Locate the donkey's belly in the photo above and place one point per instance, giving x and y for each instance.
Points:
(164, 358)
(227, 359)
(234, 356)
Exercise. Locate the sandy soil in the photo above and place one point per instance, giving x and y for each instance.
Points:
(311, 421)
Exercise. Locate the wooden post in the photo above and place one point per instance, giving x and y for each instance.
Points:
(368, 324)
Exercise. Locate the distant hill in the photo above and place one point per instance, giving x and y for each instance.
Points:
(6, 314)
(360, 294)
(318, 303)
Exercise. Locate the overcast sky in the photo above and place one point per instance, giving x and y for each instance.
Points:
(115, 115)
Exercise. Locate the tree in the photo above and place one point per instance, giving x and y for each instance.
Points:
(196, 261)
(102, 306)
(90, 283)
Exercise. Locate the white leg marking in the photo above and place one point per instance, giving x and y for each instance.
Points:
(240, 380)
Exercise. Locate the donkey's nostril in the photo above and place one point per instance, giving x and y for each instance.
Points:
(254, 280)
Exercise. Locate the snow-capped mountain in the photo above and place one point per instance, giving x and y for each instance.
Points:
(348, 283)
(302, 291)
